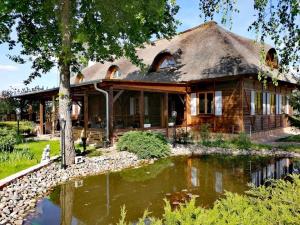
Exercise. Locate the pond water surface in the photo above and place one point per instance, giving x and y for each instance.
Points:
(98, 199)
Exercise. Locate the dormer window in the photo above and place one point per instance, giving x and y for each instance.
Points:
(114, 72)
(272, 59)
(162, 61)
(167, 62)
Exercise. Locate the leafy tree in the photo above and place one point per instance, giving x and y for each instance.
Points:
(63, 32)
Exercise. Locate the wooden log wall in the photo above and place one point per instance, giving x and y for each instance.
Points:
(260, 122)
(231, 119)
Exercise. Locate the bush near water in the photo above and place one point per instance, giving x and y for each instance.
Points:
(145, 145)
(278, 203)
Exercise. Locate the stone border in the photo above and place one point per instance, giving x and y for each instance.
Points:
(7, 180)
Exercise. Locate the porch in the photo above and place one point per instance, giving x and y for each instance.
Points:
(129, 108)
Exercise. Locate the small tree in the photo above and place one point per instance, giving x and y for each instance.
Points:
(63, 32)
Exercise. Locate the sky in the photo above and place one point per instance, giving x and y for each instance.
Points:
(13, 75)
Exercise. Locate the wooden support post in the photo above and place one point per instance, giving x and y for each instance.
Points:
(142, 109)
(85, 114)
(53, 113)
(42, 113)
(166, 112)
(111, 113)
(187, 111)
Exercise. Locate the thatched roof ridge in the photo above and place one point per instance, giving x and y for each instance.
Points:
(204, 52)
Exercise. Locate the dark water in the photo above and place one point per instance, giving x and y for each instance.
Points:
(98, 199)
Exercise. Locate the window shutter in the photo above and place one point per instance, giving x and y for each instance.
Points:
(218, 103)
(252, 103)
(131, 106)
(287, 107)
(194, 104)
(264, 103)
(268, 104)
(279, 104)
(146, 105)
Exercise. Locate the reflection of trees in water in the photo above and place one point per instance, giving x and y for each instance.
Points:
(66, 203)
(146, 172)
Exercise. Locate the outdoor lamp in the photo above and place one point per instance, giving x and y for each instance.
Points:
(18, 113)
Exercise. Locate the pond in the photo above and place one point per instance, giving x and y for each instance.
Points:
(98, 199)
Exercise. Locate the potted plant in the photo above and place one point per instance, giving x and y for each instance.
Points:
(147, 123)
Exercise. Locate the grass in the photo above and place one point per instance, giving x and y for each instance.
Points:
(25, 155)
(292, 138)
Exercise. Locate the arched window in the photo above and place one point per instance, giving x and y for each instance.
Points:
(79, 78)
(167, 62)
(162, 61)
(272, 59)
(114, 72)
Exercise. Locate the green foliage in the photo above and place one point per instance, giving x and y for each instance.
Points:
(294, 121)
(295, 101)
(242, 141)
(8, 139)
(292, 138)
(205, 134)
(145, 144)
(25, 155)
(96, 31)
(25, 126)
(278, 203)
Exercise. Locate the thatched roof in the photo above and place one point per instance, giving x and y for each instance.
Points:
(204, 52)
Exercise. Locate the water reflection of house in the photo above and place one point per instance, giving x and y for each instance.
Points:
(274, 170)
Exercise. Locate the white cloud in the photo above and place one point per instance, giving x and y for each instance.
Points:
(8, 68)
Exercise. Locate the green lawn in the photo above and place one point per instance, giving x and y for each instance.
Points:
(292, 138)
(25, 155)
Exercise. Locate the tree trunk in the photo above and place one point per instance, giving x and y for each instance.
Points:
(65, 102)
(66, 203)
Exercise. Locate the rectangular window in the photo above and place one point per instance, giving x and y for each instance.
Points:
(202, 103)
(206, 103)
(268, 103)
(258, 102)
(264, 103)
(210, 103)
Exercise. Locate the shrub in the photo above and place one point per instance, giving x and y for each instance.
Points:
(278, 203)
(242, 141)
(205, 134)
(145, 144)
(25, 126)
(8, 138)
(17, 155)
